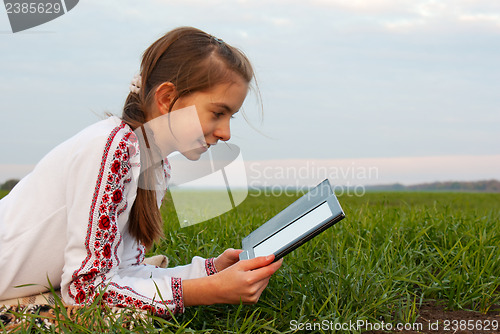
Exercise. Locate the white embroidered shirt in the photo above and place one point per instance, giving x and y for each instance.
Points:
(67, 221)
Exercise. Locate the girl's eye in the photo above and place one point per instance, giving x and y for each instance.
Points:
(218, 114)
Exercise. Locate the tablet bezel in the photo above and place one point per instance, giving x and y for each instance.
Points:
(321, 194)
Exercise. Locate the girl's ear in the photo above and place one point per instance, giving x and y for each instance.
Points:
(164, 96)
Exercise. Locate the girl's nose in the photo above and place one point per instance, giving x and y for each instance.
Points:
(223, 131)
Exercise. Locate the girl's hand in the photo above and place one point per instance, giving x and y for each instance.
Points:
(243, 282)
(227, 259)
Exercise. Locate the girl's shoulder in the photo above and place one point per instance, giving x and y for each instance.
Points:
(102, 130)
(98, 144)
(104, 135)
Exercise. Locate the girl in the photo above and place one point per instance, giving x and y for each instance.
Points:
(85, 215)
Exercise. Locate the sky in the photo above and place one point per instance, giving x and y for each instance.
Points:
(408, 87)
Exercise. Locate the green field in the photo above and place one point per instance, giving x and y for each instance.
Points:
(393, 252)
(3, 193)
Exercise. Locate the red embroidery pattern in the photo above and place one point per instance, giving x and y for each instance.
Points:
(124, 296)
(210, 266)
(103, 236)
(166, 172)
(167, 169)
(177, 293)
(141, 251)
(98, 261)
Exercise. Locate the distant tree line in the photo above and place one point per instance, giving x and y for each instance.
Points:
(490, 186)
(9, 184)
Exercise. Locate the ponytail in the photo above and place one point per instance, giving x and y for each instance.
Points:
(145, 223)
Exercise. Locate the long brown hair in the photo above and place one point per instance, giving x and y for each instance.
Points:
(193, 61)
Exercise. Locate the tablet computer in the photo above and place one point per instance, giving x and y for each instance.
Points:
(304, 219)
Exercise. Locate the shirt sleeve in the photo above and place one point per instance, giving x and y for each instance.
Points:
(101, 257)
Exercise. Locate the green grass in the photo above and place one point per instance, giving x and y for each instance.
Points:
(392, 252)
(3, 193)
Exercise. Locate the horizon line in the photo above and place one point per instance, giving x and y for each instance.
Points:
(350, 171)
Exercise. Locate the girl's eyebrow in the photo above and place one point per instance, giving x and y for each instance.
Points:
(223, 106)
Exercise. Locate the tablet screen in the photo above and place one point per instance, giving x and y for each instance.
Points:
(294, 230)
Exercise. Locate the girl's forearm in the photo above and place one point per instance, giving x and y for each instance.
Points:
(242, 282)
(200, 291)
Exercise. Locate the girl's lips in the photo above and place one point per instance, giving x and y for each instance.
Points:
(207, 145)
(204, 145)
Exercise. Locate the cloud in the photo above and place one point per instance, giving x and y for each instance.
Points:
(481, 18)
(279, 21)
(405, 16)
(368, 6)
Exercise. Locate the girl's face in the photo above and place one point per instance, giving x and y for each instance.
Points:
(215, 108)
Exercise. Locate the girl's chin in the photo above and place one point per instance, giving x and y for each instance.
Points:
(195, 154)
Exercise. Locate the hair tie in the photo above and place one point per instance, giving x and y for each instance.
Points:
(135, 84)
(218, 40)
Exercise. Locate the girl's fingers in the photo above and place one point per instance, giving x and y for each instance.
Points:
(264, 267)
(246, 280)
(229, 257)
(278, 263)
(234, 254)
(262, 285)
(256, 263)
